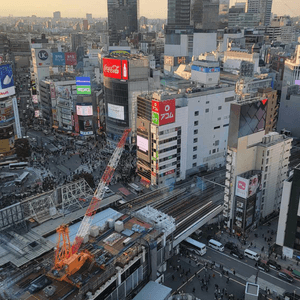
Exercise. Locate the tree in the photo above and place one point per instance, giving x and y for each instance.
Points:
(89, 178)
(22, 148)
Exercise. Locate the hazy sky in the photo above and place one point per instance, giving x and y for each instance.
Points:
(78, 8)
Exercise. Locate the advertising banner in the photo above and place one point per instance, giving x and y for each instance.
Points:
(126, 52)
(58, 59)
(83, 81)
(112, 68)
(83, 90)
(64, 92)
(181, 60)
(87, 125)
(163, 112)
(142, 144)
(297, 82)
(125, 69)
(242, 186)
(76, 123)
(41, 57)
(84, 110)
(254, 184)
(71, 58)
(35, 99)
(6, 145)
(52, 91)
(36, 113)
(168, 60)
(205, 70)
(86, 132)
(115, 111)
(7, 87)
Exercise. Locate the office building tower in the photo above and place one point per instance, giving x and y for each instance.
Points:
(124, 79)
(77, 40)
(89, 17)
(263, 7)
(291, 69)
(56, 16)
(179, 12)
(122, 19)
(85, 25)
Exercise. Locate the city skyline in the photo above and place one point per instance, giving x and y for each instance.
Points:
(155, 9)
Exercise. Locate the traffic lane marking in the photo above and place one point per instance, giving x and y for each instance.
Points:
(294, 286)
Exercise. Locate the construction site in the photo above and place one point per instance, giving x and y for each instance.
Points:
(71, 243)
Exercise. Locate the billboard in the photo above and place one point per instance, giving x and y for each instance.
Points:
(168, 60)
(142, 144)
(76, 123)
(64, 91)
(125, 69)
(52, 91)
(112, 68)
(83, 90)
(71, 58)
(297, 82)
(205, 70)
(7, 144)
(58, 59)
(84, 110)
(83, 81)
(242, 186)
(35, 99)
(41, 57)
(163, 112)
(7, 87)
(254, 184)
(115, 111)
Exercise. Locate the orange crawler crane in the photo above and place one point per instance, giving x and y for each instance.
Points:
(68, 260)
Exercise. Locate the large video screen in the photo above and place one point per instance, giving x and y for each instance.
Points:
(84, 110)
(115, 111)
(142, 144)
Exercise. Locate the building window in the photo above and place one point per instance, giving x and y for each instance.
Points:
(266, 169)
(196, 113)
(196, 123)
(209, 152)
(219, 119)
(195, 140)
(262, 161)
(207, 102)
(265, 184)
(196, 131)
(207, 110)
(219, 107)
(217, 143)
(195, 148)
(194, 165)
(217, 127)
(263, 153)
(194, 156)
(267, 161)
(268, 152)
(265, 178)
(214, 151)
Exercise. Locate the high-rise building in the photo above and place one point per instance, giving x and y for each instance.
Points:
(85, 25)
(179, 12)
(291, 69)
(56, 15)
(263, 7)
(89, 17)
(77, 40)
(124, 79)
(122, 19)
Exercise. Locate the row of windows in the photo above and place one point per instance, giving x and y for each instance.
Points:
(167, 158)
(168, 165)
(170, 131)
(168, 140)
(168, 149)
(196, 113)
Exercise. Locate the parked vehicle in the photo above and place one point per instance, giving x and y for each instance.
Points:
(216, 245)
(285, 277)
(273, 264)
(236, 253)
(230, 246)
(262, 266)
(296, 274)
(251, 254)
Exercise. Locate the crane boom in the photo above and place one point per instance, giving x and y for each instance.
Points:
(99, 193)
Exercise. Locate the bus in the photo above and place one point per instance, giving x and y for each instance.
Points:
(194, 246)
(20, 180)
(7, 177)
(296, 274)
(216, 245)
(20, 165)
(7, 163)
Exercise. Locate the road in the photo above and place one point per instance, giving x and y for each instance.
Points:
(246, 268)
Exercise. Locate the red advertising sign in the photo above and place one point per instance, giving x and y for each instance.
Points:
(76, 122)
(112, 68)
(125, 69)
(163, 112)
(71, 58)
(169, 172)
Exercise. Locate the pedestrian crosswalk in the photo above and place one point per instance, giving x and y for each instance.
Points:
(7, 184)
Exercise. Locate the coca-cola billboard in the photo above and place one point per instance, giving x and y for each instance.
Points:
(115, 68)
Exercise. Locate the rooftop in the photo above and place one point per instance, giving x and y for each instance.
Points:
(153, 291)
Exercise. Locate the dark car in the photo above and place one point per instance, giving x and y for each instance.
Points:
(273, 264)
(262, 266)
(292, 296)
(285, 277)
(230, 246)
(236, 253)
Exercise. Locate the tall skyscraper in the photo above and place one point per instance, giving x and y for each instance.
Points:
(122, 19)
(179, 12)
(76, 41)
(263, 7)
(56, 15)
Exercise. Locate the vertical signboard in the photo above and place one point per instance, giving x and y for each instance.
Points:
(163, 112)
(83, 85)
(76, 122)
(125, 69)
(70, 58)
(17, 118)
(58, 59)
(41, 57)
(7, 87)
(242, 186)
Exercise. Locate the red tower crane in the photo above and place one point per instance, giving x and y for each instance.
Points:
(67, 258)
